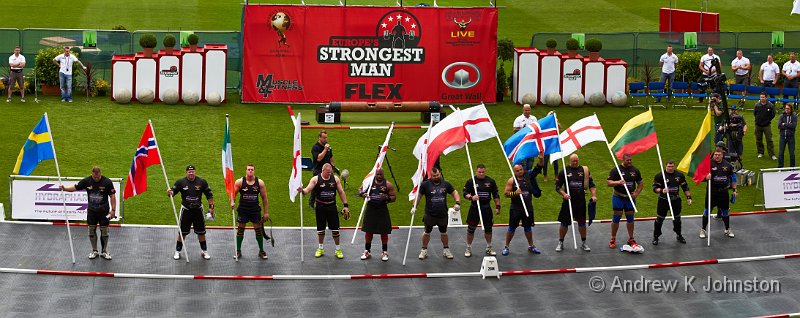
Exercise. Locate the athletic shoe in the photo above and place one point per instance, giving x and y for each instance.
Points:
(760, 155)
(774, 158)
(205, 255)
(365, 255)
(177, 255)
(632, 242)
(319, 252)
(504, 251)
(534, 250)
(105, 256)
(238, 255)
(8, 100)
(655, 240)
(468, 252)
(21, 100)
(560, 247)
(447, 253)
(263, 255)
(702, 234)
(385, 256)
(93, 255)
(729, 233)
(423, 254)
(490, 252)
(681, 239)
(339, 253)
(585, 247)
(612, 243)
(69, 101)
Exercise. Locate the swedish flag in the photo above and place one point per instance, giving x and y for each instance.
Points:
(38, 147)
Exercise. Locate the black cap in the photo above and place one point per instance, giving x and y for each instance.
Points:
(189, 167)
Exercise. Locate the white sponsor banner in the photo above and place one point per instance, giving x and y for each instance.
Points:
(41, 200)
(781, 188)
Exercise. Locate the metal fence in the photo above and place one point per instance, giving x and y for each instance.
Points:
(638, 48)
(110, 43)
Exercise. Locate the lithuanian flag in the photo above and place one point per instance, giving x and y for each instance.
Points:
(697, 161)
(636, 136)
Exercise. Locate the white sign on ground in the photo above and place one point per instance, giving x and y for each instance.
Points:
(41, 200)
(781, 188)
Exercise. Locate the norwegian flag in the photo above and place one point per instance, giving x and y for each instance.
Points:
(146, 155)
(536, 138)
(367, 183)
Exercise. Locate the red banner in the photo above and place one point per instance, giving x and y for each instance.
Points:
(319, 54)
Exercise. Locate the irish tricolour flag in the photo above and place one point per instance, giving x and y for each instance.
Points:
(227, 159)
(636, 136)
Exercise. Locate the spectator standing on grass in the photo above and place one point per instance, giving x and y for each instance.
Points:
(667, 61)
(741, 68)
(64, 62)
(16, 62)
(787, 124)
(791, 70)
(769, 73)
(764, 112)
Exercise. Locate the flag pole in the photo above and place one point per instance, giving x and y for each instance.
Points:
(302, 257)
(664, 176)
(616, 166)
(472, 173)
(566, 185)
(372, 178)
(416, 198)
(166, 181)
(508, 163)
(708, 233)
(61, 186)
(230, 195)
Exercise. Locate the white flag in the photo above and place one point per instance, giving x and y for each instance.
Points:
(795, 7)
(581, 133)
(296, 178)
(367, 183)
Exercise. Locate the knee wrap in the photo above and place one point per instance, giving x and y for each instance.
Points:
(512, 229)
(629, 217)
(705, 212)
(564, 224)
(724, 212)
(92, 230)
(471, 229)
(677, 219)
(660, 219)
(384, 238)
(259, 231)
(335, 233)
(321, 233)
(104, 231)
(616, 218)
(487, 230)
(527, 229)
(240, 231)
(581, 224)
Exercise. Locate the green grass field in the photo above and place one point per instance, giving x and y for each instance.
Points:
(103, 133)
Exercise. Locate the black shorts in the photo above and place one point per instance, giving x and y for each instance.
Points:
(431, 221)
(193, 217)
(327, 216)
(377, 219)
(97, 217)
(720, 200)
(517, 217)
(252, 217)
(663, 207)
(578, 210)
(488, 217)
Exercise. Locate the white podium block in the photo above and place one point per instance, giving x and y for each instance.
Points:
(571, 76)
(168, 75)
(550, 75)
(146, 75)
(526, 73)
(216, 62)
(454, 217)
(2, 212)
(122, 70)
(616, 77)
(489, 267)
(594, 78)
(192, 72)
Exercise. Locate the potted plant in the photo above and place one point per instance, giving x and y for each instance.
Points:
(148, 42)
(193, 39)
(101, 86)
(594, 45)
(551, 46)
(169, 43)
(572, 47)
(501, 84)
(505, 52)
(47, 72)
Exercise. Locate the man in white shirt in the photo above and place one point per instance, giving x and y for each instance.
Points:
(667, 61)
(769, 73)
(707, 66)
(741, 68)
(64, 62)
(17, 62)
(522, 121)
(791, 70)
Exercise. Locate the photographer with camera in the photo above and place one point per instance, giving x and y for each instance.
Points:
(735, 128)
(786, 124)
(716, 106)
(764, 112)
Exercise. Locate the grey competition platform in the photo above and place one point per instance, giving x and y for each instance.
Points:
(149, 251)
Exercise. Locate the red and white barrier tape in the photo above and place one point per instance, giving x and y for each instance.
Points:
(363, 127)
(405, 275)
